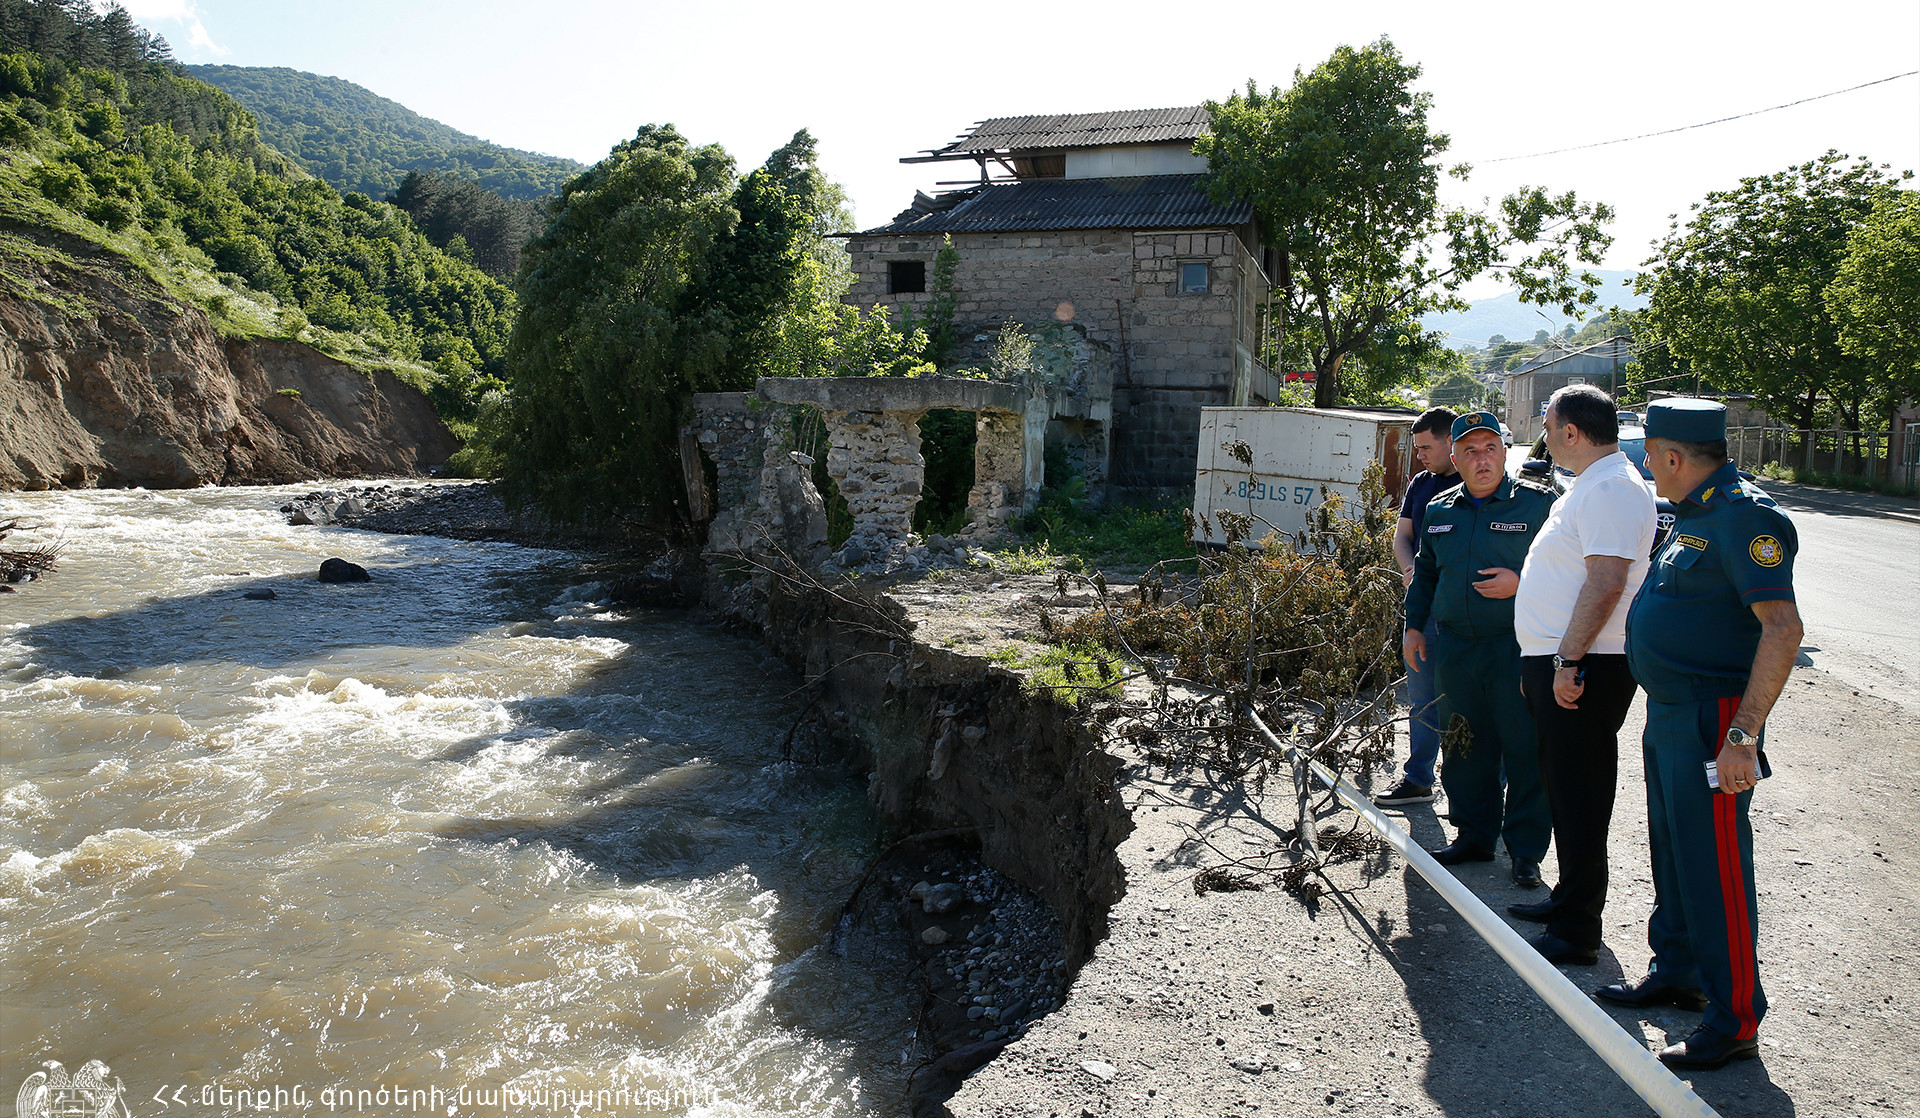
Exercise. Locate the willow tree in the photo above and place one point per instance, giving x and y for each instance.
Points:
(659, 275)
(1343, 172)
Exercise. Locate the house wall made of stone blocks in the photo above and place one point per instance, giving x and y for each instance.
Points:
(1179, 351)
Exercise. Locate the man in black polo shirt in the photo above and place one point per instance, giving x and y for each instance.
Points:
(1433, 448)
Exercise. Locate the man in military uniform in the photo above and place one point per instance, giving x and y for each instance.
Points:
(1712, 638)
(1471, 549)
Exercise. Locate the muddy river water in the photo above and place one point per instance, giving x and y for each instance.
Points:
(457, 840)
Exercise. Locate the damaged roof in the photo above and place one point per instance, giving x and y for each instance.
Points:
(1080, 130)
(1145, 202)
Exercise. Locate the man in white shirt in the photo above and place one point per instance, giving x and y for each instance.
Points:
(1570, 616)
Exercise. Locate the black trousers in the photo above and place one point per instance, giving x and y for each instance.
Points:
(1579, 764)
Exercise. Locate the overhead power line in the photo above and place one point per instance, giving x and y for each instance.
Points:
(1702, 124)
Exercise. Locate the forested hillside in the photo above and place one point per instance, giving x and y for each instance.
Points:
(104, 139)
(358, 140)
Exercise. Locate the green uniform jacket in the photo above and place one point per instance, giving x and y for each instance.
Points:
(1692, 632)
(1458, 541)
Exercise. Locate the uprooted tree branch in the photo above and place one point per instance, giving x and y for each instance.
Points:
(1300, 631)
(21, 564)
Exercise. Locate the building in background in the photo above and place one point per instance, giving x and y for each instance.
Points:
(1094, 228)
(1602, 364)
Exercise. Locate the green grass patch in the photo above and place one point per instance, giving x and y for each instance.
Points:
(1073, 673)
(1061, 538)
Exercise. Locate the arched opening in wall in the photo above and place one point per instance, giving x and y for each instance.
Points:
(810, 439)
(947, 441)
(1075, 463)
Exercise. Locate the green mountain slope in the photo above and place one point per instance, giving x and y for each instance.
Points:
(358, 140)
(117, 156)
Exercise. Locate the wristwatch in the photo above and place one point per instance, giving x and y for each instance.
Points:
(1561, 663)
(1740, 739)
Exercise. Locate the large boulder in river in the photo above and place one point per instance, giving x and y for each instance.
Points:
(339, 570)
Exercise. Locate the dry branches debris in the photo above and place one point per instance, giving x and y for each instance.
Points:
(22, 564)
(1302, 629)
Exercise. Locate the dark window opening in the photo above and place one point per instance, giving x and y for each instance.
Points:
(1193, 279)
(906, 277)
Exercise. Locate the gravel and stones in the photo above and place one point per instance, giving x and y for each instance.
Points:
(461, 510)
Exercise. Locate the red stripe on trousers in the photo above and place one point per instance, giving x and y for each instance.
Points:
(1733, 892)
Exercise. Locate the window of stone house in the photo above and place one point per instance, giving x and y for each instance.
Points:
(1193, 279)
(906, 277)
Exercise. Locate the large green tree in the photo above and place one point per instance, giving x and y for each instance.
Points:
(1875, 298)
(659, 275)
(1739, 292)
(1343, 172)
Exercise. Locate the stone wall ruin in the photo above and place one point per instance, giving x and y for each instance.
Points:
(761, 492)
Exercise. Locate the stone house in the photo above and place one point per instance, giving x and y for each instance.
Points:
(1096, 222)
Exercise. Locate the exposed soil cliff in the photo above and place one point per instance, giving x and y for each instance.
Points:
(105, 379)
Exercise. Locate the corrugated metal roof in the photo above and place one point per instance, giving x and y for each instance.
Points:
(1147, 202)
(1079, 130)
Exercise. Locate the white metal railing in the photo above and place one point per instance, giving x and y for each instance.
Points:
(1630, 1059)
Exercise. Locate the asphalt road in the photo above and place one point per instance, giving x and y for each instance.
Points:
(1857, 577)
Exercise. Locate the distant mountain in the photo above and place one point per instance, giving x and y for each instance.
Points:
(1507, 316)
(357, 140)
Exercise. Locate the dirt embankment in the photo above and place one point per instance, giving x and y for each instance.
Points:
(139, 389)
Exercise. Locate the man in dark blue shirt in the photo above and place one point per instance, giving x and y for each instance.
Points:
(1433, 447)
(1712, 638)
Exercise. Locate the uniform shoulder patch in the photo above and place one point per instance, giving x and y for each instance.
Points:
(1694, 542)
(1766, 551)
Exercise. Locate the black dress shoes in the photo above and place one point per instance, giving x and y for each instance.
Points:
(1707, 1048)
(1526, 873)
(1537, 911)
(1460, 850)
(1561, 953)
(1650, 991)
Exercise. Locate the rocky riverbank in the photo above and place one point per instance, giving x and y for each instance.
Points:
(462, 510)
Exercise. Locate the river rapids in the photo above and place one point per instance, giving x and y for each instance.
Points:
(461, 839)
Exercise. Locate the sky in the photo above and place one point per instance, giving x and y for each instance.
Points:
(877, 81)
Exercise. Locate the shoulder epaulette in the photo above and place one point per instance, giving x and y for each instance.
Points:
(1537, 486)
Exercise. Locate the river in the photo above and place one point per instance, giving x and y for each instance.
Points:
(457, 830)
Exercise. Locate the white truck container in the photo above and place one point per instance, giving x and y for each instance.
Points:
(1297, 453)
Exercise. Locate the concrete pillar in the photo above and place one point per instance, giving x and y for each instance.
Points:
(876, 463)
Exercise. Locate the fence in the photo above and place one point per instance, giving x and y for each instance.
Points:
(1863, 454)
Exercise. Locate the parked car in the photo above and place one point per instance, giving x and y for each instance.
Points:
(1630, 419)
(1633, 443)
(1506, 433)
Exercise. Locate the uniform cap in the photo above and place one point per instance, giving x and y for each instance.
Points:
(1475, 421)
(1687, 419)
